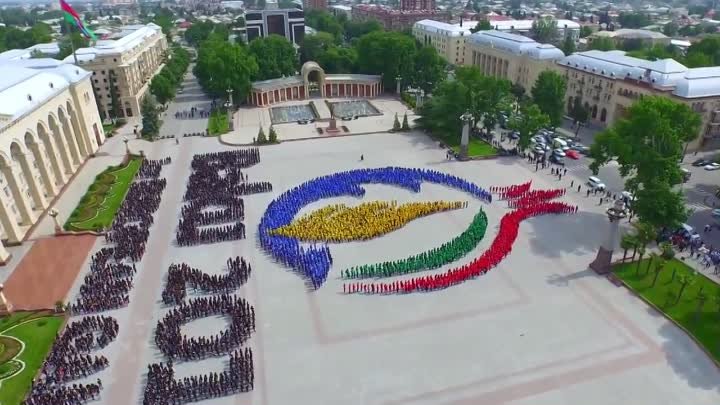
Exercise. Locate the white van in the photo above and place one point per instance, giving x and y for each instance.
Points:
(595, 183)
(559, 143)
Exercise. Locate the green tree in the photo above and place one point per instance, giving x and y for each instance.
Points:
(356, 29)
(315, 46)
(162, 88)
(222, 65)
(670, 29)
(41, 33)
(275, 57)
(323, 21)
(527, 122)
(579, 113)
(685, 281)
(272, 138)
(648, 144)
(549, 94)
(544, 30)
(389, 54)
(602, 44)
(568, 45)
(482, 25)
(659, 267)
(66, 46)
(199, 31)
(339, 60)
(396, 123)
(150, 118)
(429, 69)
(627, 242)
(166, 24)
(261, 139)
(709, 48)
(585, 31)
(634, 20)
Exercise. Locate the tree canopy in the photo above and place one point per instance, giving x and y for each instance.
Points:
(648, 144)
(429, 69)
(549, 95)
(199, 31)
(482, 25)
(150, 118)
(275, 57)
(222, 65)
(315, 46)
(390, 54)
(568, 45)
(602, 44)
(634, 20)
(544, 30)
(321, 20)
(527, 122)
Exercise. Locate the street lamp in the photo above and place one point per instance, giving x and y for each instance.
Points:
(398, 81)
(127, 148)
(465, 136)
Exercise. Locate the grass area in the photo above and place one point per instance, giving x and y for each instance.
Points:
(38, 336)
(98, 206)
(689, 298)
(476, 147)
(218, 123)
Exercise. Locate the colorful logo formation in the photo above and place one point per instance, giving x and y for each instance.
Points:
(301, 243)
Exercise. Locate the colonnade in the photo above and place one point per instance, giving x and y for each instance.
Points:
(36, 161)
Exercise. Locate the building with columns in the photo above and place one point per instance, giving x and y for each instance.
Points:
(49, 125)
(313, 82)
(128, 63)
(510, 56)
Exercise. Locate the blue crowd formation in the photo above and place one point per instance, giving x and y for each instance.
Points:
(313, 261)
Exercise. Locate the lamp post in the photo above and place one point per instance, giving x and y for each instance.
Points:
(465, 136)
(398, 81)
(127, 148)
(53, 214)
(617, 212)
(419, 98)
(229, 106)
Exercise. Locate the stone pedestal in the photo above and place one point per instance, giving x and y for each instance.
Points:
(465, 140)
(332, 128)
(603, 260)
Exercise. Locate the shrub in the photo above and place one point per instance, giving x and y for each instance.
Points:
(273, 135)
(396, 124)
(261, 139)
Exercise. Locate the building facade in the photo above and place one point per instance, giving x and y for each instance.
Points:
(510, 56)
(288, 23)
(608, 83)
(447, 39)
(49, 125)
(318, 4)
(410, 12)
(124, 66)
(313, 82)
(565, 28)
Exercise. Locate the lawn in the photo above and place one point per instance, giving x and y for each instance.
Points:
(698, 314)
(38, 335)
(476, 147)
(218, 123)
(98, 206)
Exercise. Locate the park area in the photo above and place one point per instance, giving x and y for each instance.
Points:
(683, 294)
(25, 340)
(103, 198)
(218, 123)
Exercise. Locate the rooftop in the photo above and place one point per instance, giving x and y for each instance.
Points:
(516, 44)
(130, 37)
(452, 30)
(525, 25)
(628, 33)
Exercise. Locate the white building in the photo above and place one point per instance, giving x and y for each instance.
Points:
(447, 39)
(49, 125)
(523, 27)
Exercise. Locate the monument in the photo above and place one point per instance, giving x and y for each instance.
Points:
(601, 264)
(332, 128)
(53, 214)
(465, 137)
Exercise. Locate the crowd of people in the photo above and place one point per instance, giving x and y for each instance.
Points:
(193, 112)
(180, 276)
(163, 389)
(314, 262)
(213, 197)
(70, 358)
(340, 223)
(150, 169)
(434, 258)
(499, 249)
(112, 268)
(175, 345)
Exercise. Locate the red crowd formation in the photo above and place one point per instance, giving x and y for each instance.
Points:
(511, 192)
(531, 204)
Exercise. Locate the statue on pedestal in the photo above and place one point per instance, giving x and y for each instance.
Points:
(603, 260)
(53, 214)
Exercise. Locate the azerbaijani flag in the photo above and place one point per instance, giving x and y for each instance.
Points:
(73, 18)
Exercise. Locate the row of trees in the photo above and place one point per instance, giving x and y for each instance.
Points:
(15, 38)
(165, 83)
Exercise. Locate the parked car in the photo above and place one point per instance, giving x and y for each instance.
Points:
(514, 135)
(572, 154)
(712, 166)
(539, 150)
(701, 162)
(595, 183)
(559, 152)
(557, 159)
(716, 212)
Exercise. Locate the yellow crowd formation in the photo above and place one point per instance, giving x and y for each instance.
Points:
(340, 223)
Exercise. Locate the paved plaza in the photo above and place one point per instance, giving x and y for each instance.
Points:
(540, 328)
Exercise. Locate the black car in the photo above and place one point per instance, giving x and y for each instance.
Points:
(701, 162)
(557, 160)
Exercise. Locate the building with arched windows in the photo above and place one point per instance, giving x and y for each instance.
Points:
(313, 82)
(49, 125)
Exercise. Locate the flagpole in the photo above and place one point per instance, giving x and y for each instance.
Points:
(72, 45)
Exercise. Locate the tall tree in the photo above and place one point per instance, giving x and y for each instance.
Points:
(150, 118)
(568, 45)
(602, 44)
(339, 60)
(314, 46)
(222, 65)
(482, 25)
(162, 87)
(389, 54)
(66, 47)
(549, 94)
(323, 21)
(544, 30)
(527, 122)
(670, 29)
(275, 57)
(579, 113)
(648, 144)
(585, 31)
(429, 69)
(356, 29)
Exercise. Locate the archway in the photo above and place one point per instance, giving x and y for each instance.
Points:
(51, 153)
(70, 138)
(80, 136)
(31, 188)
(42, 162)
(603, 115)
(97, 134)
(20, 210)
(594, 111)
(59, 144)
(569, 104)
(314, 79)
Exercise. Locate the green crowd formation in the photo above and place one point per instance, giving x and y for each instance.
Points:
(431, 259)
